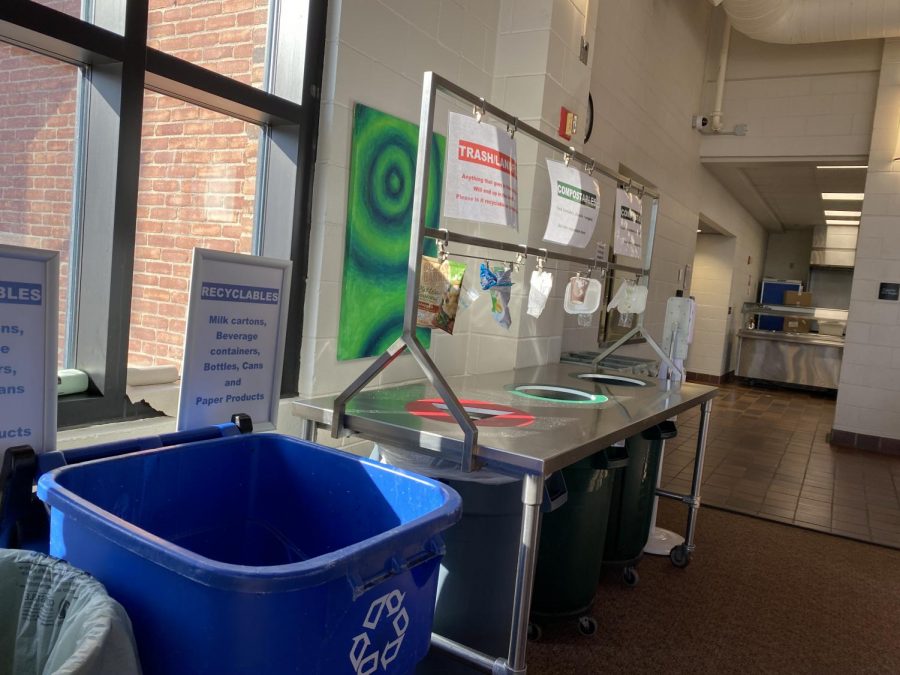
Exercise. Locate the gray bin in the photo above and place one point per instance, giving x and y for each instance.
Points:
(476, 583)
(57, 619)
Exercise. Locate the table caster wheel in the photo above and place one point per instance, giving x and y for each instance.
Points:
(630, 576)
(587, 625)
(680, 556)
(534, 632)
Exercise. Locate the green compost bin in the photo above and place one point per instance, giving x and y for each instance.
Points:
(631, 507)
(570, 556)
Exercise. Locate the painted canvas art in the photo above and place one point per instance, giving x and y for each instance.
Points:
(379, 216)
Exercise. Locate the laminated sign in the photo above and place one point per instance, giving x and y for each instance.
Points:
(482, 176)
(574, 204)
(29, 291)
(235, 339)
(629, 233)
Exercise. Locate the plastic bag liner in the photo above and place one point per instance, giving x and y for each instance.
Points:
(56, 619)
(434, 466)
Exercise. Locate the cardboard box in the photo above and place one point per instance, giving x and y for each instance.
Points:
(792, 325)
(798, 298)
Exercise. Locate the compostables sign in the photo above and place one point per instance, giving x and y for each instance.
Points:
(574, 204)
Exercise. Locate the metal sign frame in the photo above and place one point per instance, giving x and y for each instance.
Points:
(50, 300)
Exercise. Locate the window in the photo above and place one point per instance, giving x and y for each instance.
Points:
(132, 148)
(197, 189)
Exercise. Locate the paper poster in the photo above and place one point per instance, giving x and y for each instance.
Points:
(629, 232)
(482, 175)
(235, 339)
(574, 204)
(29, 291)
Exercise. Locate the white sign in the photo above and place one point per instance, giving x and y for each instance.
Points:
(482, 174)
(629, 233)
(235, 339)
(574, 203)
(29, 297)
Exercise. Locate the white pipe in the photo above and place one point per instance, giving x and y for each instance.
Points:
(720, 82)
(813, 21)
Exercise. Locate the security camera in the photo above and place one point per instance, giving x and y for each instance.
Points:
(699, 122)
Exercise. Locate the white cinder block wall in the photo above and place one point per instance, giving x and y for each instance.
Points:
(711, 290)
(376, 53)
(523, 54)
(647, 80)
(869, 392)
(798, 100)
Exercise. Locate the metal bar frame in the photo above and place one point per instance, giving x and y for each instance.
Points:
(408, 341)
(639, 329)
(693, 498)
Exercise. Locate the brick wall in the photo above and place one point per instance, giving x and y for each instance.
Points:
(37, 151)
(198, 168)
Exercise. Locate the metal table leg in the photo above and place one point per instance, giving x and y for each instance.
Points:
(532, 496)
(693, 500)
(308, 430)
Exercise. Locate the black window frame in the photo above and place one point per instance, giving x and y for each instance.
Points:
(117, 68)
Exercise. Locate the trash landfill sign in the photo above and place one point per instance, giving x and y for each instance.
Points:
(482, 175)
(628, 224)
(574, 204)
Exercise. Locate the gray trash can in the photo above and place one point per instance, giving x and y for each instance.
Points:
(55, 618)
(475, 587)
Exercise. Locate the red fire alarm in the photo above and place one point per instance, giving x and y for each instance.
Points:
(567, 123)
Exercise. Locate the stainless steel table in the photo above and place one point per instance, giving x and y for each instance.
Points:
(543, 436)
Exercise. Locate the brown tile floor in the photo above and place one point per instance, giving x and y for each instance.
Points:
(767, 455)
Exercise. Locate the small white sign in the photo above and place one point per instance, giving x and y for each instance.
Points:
(482, 174)
(29, 299)
(574, 204)
(629, 232)
(235, 339)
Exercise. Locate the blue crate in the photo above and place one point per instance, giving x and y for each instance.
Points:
(258, 554)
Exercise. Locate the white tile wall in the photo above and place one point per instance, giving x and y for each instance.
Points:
(869, 391)
(798, 100)
(713, 268)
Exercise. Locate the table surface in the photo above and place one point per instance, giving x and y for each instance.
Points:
(560, 434)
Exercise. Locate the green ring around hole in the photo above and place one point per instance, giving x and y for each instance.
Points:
(593, 400)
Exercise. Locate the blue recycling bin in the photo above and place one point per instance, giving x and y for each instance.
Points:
(258, 554)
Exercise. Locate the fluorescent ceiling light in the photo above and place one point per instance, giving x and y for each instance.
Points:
(842, 222)
(845, 166)
(843, 214)
(843, 196)
(699, 230)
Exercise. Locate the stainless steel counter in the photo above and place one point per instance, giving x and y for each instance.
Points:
(543, 436)
(561, 433)
(805, 359)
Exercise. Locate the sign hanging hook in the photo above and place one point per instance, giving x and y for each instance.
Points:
(521, 257)
(590, 168)
(511, 130)
(479, 111)
(444, 245)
